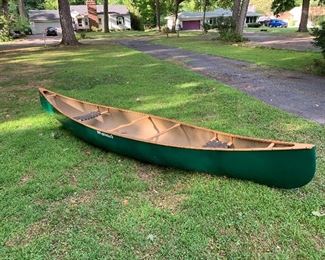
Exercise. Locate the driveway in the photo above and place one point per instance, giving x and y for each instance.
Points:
(295, 92)
(297, 43)
(31, 41)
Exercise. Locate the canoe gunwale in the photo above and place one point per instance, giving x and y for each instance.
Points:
(293, 146)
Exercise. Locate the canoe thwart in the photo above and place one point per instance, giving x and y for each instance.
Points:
(163, 132)
(271, 145)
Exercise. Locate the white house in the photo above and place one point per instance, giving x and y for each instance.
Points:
(194, 20)
(84, 17)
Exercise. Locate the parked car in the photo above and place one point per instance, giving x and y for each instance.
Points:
(51, 31)
(277, 23)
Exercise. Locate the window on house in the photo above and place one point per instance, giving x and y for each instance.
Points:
(86, 21)
(100, 20)
(120, 20)
(80, 22)
(212, 21)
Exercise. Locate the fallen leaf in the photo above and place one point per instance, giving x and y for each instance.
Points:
(318, 213)
(150, 237)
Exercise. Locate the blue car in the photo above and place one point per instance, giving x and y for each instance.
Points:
(278, 23)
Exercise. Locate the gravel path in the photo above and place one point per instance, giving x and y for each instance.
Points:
(295, 92)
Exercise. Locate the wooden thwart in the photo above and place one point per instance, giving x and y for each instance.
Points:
(163, 132)
(271, 145)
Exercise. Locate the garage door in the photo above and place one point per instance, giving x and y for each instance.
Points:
(40, 27)
(191, 25)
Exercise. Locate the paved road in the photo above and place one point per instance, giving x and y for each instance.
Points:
(295, 92)
(289, 42)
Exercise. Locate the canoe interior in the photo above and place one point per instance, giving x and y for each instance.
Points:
(154, 129)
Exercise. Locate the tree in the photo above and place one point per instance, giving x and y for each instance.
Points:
(5, 8)
(157, 4)
(176, 4)
(280, 6)
(22, 9)
(68, 36)
(304, 16)
(106, 22)
(239, 12)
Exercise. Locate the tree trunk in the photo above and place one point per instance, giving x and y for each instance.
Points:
(22, 9)
(176, 9)
(176, 16)
(235, 10)
(239, 29)
(205, 2)
(304, 16)
(5, 8)
(106, 23)
(157, 2)
(68, 36)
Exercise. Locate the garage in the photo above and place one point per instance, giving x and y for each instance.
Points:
(191, 25)
(39, 27)
(41, 19)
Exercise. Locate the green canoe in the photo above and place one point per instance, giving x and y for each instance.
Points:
(174, 144)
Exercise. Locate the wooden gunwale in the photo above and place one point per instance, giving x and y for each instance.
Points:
(293, 146)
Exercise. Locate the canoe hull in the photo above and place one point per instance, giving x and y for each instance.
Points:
(277, 168)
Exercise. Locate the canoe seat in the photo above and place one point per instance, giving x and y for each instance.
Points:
(215, 144)
(88, 116)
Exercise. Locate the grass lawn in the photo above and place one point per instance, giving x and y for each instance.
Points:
(290, 31)
(286, 59)
(62, 198)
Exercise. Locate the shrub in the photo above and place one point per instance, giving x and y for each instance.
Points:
(206, 27)
(254, 25)
(165, 30)
(225, 26)
(136, 22)
(319, 40)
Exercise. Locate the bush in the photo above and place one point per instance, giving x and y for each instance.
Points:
(165, 30)
(206, 27)
(254, 25)
(5, 29)
(136, 22)
(226, 28)
(319, 40)
(319, 66)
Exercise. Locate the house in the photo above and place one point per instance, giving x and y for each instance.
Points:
(194, 20)
(292, 17)
(84, 17)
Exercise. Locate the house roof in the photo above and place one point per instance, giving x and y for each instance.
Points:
(45, 15)
(118, 9)
(216, 13)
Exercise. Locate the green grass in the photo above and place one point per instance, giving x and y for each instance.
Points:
(62, 198)
(290, 31)
(286, 59)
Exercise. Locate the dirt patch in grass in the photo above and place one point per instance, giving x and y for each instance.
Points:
(83, 198)
(169, 201)
(26, 178)
(35, 230)
(145, 171)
